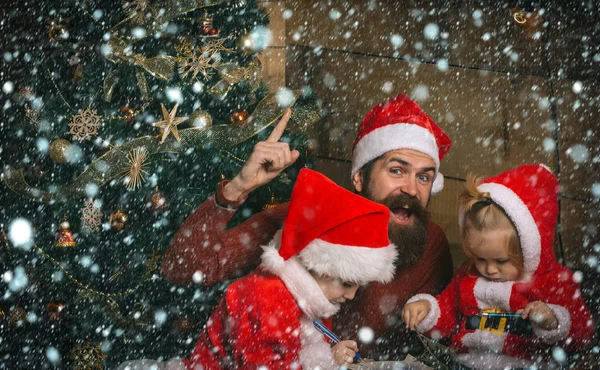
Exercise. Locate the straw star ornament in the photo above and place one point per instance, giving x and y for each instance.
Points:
(169, 123)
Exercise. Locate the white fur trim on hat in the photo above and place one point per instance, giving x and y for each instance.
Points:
(314, 353)
(301, 285)
(432, 316)
(529, 234)
(492, 361)
(483, 340)
(347, 263)
(492, 294)
(438, 183)
(144, 364)
(392, 137)
(558, 334)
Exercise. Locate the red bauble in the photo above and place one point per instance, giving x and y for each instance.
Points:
(54, 310)
(156, 202)
(64, 236)
(128, 113)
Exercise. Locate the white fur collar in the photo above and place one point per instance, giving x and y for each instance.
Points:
(298, 281)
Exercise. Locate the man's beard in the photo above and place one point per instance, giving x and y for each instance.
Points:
(409, 239)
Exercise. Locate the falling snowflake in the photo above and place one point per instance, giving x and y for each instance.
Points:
(134, 172)
(85, 124)
(33, 115)
(137, 10)
(91, 216)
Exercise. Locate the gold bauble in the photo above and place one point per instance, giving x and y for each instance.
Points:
(200, 119)
(60, 150)
(57, 32)
(117, 219)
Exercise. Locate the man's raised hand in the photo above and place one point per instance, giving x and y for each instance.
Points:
(267, 160)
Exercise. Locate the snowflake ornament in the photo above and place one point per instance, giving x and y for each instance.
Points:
(91, 216)
(85, 124)
(197, 64)
(194, 61)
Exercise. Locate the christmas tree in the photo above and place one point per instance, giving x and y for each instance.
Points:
(119, 118)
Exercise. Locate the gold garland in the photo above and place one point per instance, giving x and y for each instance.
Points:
(93, 291)
(234, 157)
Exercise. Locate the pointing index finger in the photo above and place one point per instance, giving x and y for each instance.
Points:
(280, 127)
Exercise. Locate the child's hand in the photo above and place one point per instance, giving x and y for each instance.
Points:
(344, 351)
(540, 314)
(413, 313)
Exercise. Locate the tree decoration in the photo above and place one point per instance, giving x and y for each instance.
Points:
(157, 201)
(133, 173)
(128, 113)
(200, 61)
(185, 324)
(239, 116)
(85, 124)
(26, 93)
(244, 43)
(216, 45)
(138, 10)
(87, 357)
(57, 32)
(54, 310)
(272, 203)
(200, 119)
(64, 236)
(169, 123)
(91, 216)
(17, 316)
(60, 150)
(206, 27)
(117, 219)
(33, 115)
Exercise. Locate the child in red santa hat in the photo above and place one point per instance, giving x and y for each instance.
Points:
(332, 241)
(507, 224)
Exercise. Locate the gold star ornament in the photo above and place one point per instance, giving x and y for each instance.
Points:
(169, 123)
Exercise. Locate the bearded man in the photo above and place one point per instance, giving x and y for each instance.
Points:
(396, 160)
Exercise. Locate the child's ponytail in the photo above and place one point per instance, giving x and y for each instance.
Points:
(480, 212)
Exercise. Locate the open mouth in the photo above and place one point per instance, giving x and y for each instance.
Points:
(403, 215)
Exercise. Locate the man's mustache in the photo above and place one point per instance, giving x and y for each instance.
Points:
(402, 200)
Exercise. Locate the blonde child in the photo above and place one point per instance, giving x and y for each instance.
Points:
(507, 225)
(332, 241)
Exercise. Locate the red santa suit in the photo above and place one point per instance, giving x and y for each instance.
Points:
(266, 318)
(528, 194)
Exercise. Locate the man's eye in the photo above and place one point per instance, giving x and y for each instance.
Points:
(396, 171)
(424, 178)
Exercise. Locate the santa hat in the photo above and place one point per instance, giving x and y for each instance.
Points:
(333, 232)
(528, 194)
(399, 123)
